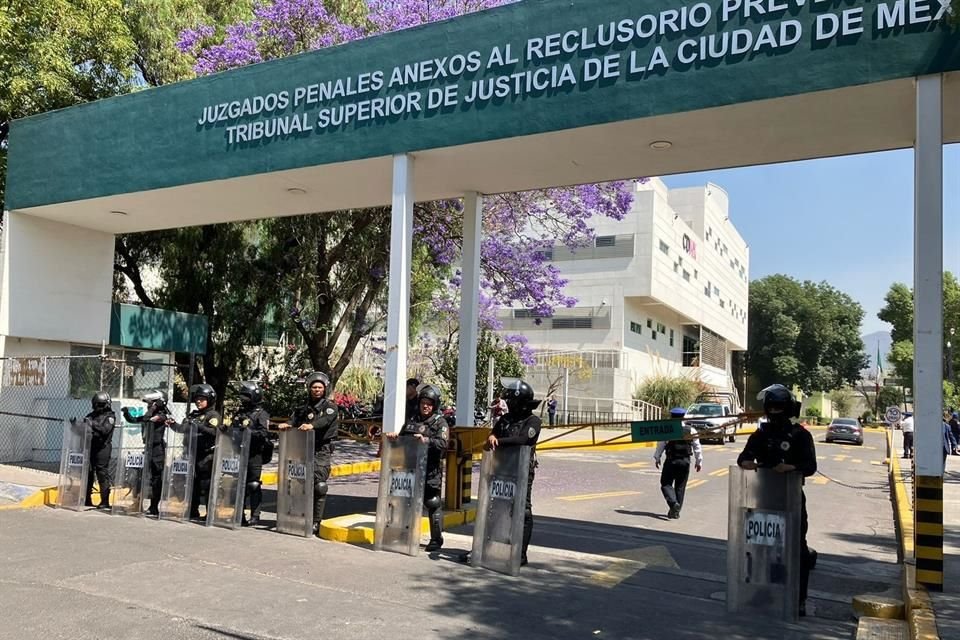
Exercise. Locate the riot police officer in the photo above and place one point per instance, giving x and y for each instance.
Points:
(321, 415)
(430, 427)
(785, 447)
(207, 420)
(102, 420)
(157, 414)
(676, 469)
(254, 417)
(519, 427)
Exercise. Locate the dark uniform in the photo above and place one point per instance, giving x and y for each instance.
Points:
(102, 421)
(207, 422)
(781, 441)
(437, 432)
(255, 418)
(676, 469)
(519, 427)
(322, 415)
(157, 414)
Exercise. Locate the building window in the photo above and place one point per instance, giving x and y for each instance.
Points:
(686, 275)
(649, 323)
(525, 314)
(661, 328)
(635, 327)
(664, 247)
(691, 352)
(653, 334)
(671, 337)
(716, 292)
(606, 241)
(676, 267)
(723, 304)
(572, 323)
(546, 254)
(696, 274)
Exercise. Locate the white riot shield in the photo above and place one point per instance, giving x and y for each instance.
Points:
(228, 479)
(295, 483)
(403, 473)
(74, 464)
(763, 543)
(498, 533)
(181, 458)
(132, 475)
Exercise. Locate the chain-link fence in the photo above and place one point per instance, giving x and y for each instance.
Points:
(38, 393)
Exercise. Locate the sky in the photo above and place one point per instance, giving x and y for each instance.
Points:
(848, 221)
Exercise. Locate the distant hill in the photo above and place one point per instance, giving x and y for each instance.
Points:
(870, 342)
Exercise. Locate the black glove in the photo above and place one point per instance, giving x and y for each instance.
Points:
(126, 414)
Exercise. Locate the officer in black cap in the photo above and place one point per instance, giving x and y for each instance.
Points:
(207, 420)
(102, 420)
(786, 447)
(519, 427)
(254, 417)
(157, 415)
(430, 427)
(321, 415)
(676, 469)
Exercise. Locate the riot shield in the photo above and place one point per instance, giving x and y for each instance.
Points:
(498, 533)
(132, 475)
(400, 502)
(229, 478)
(178, 466)
(763, 543)
(295, 483)
(74, 464)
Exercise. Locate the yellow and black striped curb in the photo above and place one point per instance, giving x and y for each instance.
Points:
(928, 529)
(919, 607)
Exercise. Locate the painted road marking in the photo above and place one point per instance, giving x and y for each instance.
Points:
(840, 458)
(821, 457)
(632, 465)
(719, 472)
(877, 463)
(596, 496)
(857, 461)
(696, 483)
(820, 480)
(630, 562)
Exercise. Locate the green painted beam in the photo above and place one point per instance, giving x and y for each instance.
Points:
(157, 329)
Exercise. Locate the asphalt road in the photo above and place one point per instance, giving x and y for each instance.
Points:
(604, 565)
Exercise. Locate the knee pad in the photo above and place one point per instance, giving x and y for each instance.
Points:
(320, 488)
(433, 503)
(253, 485)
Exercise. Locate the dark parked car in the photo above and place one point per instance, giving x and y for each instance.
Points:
(846, 429)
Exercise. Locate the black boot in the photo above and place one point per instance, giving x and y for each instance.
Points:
(436, 531)
(316, 529)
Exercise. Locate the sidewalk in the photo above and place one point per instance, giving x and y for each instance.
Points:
(946, 604)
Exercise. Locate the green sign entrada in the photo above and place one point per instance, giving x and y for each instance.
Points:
(532, 67)
(656, 430)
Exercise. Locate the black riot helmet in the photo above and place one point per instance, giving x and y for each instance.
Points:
(154, 399)
(250, 393)
(100, 400)
(519, 396)
(430, 393)
(779, 401)
(203, 391)
(319, 376)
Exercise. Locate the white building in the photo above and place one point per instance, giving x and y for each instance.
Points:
(664, 291)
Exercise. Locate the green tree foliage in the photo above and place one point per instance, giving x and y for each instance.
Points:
(888, 397)
(898, 312)
(57, 53)
(842, 401)
(445, 358)
(155, 26)
(804, 334)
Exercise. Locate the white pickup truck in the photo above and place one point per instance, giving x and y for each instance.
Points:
(712, 420)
